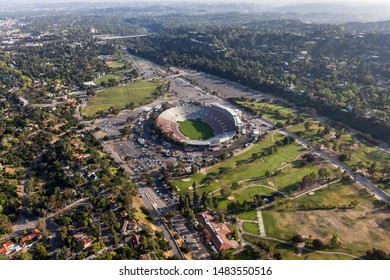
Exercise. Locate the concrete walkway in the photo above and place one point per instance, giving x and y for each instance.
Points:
(261, 223)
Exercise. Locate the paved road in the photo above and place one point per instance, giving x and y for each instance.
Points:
(360, 179)
(149, 203)
(191, 238)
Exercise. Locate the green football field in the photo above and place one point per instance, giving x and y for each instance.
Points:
(196, 129)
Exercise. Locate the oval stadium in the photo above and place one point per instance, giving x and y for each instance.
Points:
(205, 125)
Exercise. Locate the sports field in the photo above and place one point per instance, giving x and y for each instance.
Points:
(140, 93)
(196, 129)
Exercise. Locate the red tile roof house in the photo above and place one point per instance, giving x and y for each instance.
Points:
(35, 234)
(219, 232)
(87, 242)
(83, 239)
(9, 248)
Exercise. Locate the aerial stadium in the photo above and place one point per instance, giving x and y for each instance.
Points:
(200, 125)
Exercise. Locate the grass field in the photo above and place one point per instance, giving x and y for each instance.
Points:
(245, 193)
(274, 112)
(364, 227)
(257, 168)
(230, 163)
(139, 92)
(283, 182)
(106, 78)
(115, 64)
(251, 227)
(196, 129)
(250, 215)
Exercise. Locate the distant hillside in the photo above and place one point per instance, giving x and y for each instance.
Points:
(336, 12)
(379, 27)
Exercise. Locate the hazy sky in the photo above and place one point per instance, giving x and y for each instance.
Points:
(266, 3)
(274, 2)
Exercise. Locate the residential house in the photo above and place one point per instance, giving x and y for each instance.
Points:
(33, 236)
(9, 248)
(134, 240)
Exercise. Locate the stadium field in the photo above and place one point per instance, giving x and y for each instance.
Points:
(196, 129)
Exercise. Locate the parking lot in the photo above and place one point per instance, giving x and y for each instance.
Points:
(137, 157)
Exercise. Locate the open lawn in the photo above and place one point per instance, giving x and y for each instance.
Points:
(364, 155)
(274, 112)
(365, 227)
(196, 129)
(282, 182)
(289, 176)
(230, 163)
(245, 193)
(140, 93)
(108, 77)
(115, 64)
(257, 168)
(251, 227)
(250, 215)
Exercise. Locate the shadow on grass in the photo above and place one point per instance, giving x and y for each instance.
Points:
(289, 188)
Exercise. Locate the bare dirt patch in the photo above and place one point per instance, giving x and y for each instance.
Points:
(359, 229)
(137, 203)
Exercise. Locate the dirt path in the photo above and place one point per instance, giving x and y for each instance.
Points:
(306, 248)
(315, 189)
(272, 136)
